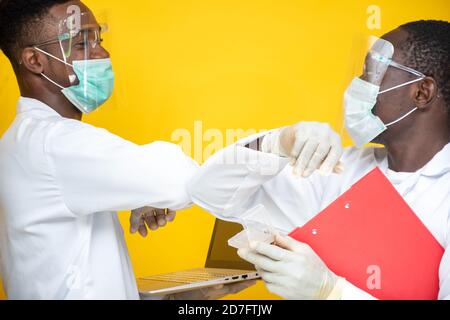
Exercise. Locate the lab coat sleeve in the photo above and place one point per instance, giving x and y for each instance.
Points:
(228, 181)
(98, 171)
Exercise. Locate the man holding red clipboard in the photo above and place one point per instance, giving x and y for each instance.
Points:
(402, 101)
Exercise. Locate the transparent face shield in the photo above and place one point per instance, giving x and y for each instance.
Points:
(377, 62)
(372, 73)
(87, 64)
(80, 37)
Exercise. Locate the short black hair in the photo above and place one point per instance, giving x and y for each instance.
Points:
(428, 51)
(21, 23)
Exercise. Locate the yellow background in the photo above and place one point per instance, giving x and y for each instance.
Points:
(231, 64)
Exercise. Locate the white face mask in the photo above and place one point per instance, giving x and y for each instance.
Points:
(359, 100)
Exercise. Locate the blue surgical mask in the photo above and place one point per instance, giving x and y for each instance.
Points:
(96, 83)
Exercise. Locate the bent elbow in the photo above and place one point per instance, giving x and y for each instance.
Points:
(210, 198)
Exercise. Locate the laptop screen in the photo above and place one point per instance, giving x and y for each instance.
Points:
(220, 254)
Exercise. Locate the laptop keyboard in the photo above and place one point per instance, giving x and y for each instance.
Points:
(191, 276)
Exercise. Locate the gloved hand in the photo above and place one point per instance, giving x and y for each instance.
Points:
(148, 217)
(212, 293)
(310, 146)
(291, 269)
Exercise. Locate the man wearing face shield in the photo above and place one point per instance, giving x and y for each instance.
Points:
(402, 101)
(62, 181)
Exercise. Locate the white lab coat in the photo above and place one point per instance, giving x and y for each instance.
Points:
(61, 183)
(237, 178)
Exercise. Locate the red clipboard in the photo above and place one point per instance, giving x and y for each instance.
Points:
(371, 237)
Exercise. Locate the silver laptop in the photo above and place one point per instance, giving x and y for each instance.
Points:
(223, 266)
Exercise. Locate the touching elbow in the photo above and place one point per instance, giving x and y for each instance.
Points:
(203, 196)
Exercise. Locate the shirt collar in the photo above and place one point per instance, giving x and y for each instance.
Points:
(29, 104)
(437, 166)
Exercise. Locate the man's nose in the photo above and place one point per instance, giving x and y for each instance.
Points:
(99, 53)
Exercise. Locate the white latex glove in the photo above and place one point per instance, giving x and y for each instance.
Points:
(311, 146)
(291, 269)
(151, 218)
(212, 293)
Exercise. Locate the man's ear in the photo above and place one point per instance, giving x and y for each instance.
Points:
(426, 92)
(32, 60)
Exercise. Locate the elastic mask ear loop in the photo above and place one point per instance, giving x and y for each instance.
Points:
(54, 57)
(401, 118)
(56, 84)
(413, 110)
(401, 85)
(422, 76)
